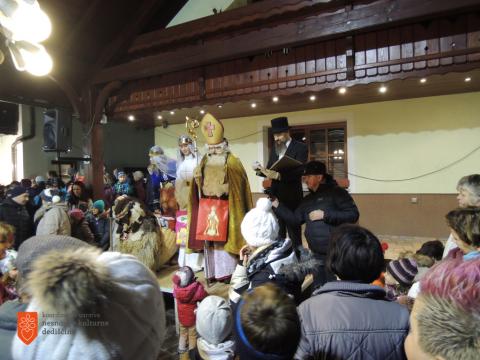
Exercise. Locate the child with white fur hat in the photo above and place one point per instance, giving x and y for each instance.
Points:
(264, 254)
(214, 326)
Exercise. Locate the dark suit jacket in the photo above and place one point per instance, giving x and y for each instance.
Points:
(288, 189)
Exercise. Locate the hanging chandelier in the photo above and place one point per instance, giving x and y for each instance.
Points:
(24, 25)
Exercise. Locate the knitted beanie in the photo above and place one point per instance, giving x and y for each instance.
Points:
(214, 319)
(39, 179)
(35, 246)
(403, 270)
(76, 214)
(16, 191)
(183, 276)
(121, 173)
(110, 304)
(99, 205)
(260, 226)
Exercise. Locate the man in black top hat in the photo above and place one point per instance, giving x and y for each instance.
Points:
(327, 206)
(286, 185)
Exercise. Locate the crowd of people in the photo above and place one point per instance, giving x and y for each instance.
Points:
(93, 303)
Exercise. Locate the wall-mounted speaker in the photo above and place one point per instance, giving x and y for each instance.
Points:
(8, 118)
(57, 130)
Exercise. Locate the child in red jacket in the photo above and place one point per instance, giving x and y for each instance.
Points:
(188, 291)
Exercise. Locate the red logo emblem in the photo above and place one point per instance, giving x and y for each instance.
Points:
(27, 326)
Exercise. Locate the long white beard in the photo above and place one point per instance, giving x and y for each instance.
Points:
(215, 173)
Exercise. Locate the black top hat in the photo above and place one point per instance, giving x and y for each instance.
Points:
(280, 124)
(315, 167)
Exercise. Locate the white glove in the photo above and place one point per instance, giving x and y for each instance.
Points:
(256, 166)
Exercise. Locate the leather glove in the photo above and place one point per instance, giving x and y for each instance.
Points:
(271, 174)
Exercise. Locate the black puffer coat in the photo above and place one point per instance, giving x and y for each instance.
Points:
(17, 215)
(338, 206)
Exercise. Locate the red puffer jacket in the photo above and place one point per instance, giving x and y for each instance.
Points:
(187, 298)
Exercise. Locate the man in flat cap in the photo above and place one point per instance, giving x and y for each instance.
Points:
(326, 207)
(286, 185)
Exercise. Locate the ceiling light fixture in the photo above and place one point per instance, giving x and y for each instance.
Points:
(159, 117)
(24, 25)
(313, 97)
(342, 90)
(468, 79)
(275, 99)
(172, 112)
(131, 118)
(423, 80)
(382, 89)
(219, 106)
(202, 111)
(253, 105)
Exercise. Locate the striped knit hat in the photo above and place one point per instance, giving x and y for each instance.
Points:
(403, 270)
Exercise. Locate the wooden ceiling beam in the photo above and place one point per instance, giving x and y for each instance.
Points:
(144, 14)
(262, 11)
(341, 23)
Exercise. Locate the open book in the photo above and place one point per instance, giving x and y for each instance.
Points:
(285, 163)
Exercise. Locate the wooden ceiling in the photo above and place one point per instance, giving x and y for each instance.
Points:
(123, 46)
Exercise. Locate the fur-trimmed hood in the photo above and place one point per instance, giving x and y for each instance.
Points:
(109, 303)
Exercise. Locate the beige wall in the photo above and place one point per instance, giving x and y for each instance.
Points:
(386, 140)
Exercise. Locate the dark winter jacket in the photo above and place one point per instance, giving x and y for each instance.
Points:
(102, 224)
(187, 298)
(8, 326)
(347, 320)
(338, 206)
(17, 215)
(81, 230)
(139, 189)
(289, 188)
(262, 267)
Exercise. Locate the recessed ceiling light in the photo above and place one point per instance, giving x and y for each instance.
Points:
(159, 117)
(220, 106)
(467, 79)
(131, 118)
(313, 97)
(382, 89)
(275, 99)
(172, 112)
(423, 80)
(202, 111)
(253, 105)
(342, 90)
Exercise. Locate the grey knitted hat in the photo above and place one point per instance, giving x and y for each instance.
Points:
(214, 319)
(35, 246)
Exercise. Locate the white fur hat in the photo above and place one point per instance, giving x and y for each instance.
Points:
(105, 306)
(260, 226)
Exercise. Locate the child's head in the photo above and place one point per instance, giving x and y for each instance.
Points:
(433, 249)
(465, 225)
(98, 207)
(260, 226)
(355, 254)
(445, 316)
(121, 176)
(267, 325)
(7, 232)
(214, 320)
(183, 276)
(402, 272)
